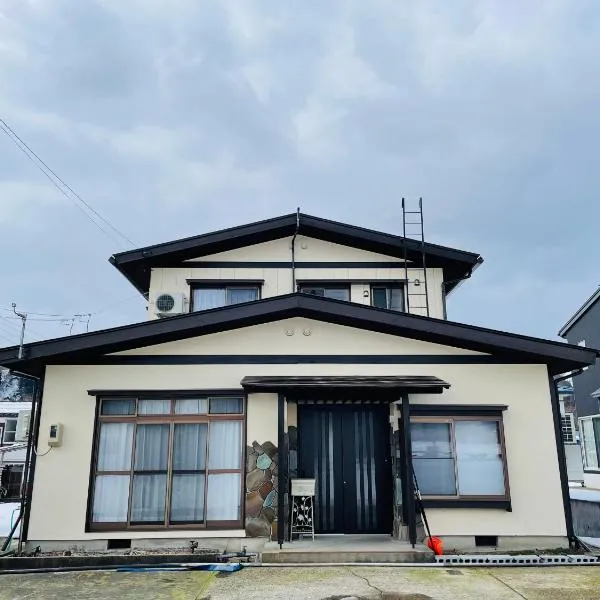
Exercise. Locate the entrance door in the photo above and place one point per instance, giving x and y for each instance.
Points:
(346, 448)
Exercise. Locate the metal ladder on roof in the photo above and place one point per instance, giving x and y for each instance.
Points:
(415, 273)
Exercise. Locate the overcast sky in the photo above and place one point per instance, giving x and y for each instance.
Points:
(177, 118)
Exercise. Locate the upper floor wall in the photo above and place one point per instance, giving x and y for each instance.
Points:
(347, 273)
(296, 252)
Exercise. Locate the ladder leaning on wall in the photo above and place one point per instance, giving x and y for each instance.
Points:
(415, 274)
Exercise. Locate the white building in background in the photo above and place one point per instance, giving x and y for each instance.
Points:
(14, 426)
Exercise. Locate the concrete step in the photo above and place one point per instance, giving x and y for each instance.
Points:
(346, 556)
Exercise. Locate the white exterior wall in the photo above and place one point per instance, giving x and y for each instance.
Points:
(591, 480)
(60, 491)
(279, 281)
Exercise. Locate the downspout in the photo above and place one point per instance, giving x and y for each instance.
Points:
(294, 251)
(562, 461)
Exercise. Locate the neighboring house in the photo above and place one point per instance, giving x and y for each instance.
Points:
(283, 349)
(570, 431)
(583, 329)
(14, 421)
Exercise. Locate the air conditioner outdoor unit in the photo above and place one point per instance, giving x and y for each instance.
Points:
(22, 431)
(169, 304)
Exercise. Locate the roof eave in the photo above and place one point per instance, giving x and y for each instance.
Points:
(77, 349)
(579, 313)
(135, 264)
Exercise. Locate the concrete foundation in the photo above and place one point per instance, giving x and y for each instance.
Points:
(217, 545)
(466, 543)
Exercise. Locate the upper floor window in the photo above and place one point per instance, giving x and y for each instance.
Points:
(205, 297)
(390, 297)
(326, 290)
(10, 430)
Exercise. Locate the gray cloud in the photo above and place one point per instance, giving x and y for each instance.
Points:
(183, 117)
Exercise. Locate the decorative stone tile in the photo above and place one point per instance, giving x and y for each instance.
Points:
(261, 488)
(259, 527)
(254, 504)
(251, 461)
(270, 449)
(264, 462)
(254, 479)
(271, 499)
(265, 489)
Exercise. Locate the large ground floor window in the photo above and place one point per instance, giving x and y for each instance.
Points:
(167, 462)
(459, 457)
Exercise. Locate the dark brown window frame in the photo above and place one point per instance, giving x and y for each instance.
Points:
(458, 499)
(171, 419)
(400, 285)
(199, 284)
(326, 284)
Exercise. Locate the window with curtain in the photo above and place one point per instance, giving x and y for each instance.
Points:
(390, 297)
(326, 290)
(168, 462)
(459, 457)
(205, 297)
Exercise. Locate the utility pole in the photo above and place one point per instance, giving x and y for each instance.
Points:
(23, 317)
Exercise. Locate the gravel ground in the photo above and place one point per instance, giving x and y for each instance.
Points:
(313, 583)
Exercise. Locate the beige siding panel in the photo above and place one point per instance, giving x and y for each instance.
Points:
(298, 336)
(275, 250)
(279, 281)
(262, 419)
(61, 479)
(307, 250)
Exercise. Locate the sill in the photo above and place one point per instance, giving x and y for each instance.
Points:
(465, 503)
(118, 527)
(593, 471)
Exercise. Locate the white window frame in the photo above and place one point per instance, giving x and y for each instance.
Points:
(568, 429)
(585, 442)
(8, 430)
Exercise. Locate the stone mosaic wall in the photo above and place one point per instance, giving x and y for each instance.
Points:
(261, 488)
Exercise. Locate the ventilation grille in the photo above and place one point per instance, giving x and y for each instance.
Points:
(520, 559)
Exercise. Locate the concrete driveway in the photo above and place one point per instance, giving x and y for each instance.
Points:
(313, 583)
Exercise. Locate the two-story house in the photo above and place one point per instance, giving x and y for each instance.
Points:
(583, 329)
(283, 349)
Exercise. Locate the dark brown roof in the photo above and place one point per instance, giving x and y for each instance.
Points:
(88, 348)
(410, 384)
(136, 264)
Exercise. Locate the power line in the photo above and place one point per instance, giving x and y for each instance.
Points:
(49, 173)
(61, 190)
(81, 315)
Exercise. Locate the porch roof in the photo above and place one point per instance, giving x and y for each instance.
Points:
(408, 384)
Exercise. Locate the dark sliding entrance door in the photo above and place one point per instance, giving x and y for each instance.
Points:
(346, 448)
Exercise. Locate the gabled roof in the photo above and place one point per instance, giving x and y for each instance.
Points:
(90, 347)
(136, 264)
(584, 308)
